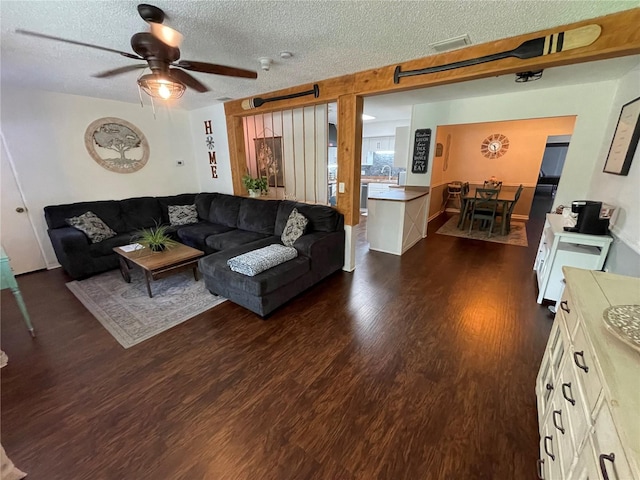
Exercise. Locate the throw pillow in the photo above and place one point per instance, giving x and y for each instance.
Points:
(182, 214)
(92, 226)
(294, 228)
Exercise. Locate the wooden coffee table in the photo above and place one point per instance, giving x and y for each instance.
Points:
(158, 265)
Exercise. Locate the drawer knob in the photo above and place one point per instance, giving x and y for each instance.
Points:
(555, 424)
(569, 398)
(582, 365)
(603, 466)
(540, 464)
(564, 305)
(546, 449)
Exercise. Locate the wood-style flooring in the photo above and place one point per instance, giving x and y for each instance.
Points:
(414, 367)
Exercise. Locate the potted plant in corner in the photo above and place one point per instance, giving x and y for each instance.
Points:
(255, 186)
(155, 239)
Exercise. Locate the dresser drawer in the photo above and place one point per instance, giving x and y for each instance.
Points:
(571, 402)
(569, 312)
(610, 456)
(585, 368)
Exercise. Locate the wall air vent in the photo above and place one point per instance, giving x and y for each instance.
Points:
(451, 43)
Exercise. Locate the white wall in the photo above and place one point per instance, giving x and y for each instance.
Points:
(215, 113)
(44, 135)
(622, 191)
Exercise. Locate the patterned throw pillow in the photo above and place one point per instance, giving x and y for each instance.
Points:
(294, 228)
(182, 214)
(92, 226)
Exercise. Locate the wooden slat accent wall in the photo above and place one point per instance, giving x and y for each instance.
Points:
(620, 36)
(349, 151)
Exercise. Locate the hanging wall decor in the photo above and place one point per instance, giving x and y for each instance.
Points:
(269, 159)
(107, 135)
(494, 146)
(421, 143)
(625, 139)
(211, 146)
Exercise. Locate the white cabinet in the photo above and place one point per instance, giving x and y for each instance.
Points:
(558, 249)
(587, 385)
(376, 144)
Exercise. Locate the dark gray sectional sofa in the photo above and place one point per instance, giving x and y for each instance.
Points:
(227, 226)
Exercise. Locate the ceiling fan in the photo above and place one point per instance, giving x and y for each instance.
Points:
(158, 48)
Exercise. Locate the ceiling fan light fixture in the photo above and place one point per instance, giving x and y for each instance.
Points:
(156, 86)
(166, 35)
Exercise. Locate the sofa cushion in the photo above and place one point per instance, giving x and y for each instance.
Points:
(107, 210)
(321, 218)
(294, 228)
(203, 204)
(184, 199)
(182, 214)
(92, 226)
(141, 212)
(195, 234)
(106, 247)
(258, 215)
(233, 238)
(224, 210)
(267, 281)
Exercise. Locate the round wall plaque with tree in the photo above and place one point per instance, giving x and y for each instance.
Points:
(107, 135)
(494, 146)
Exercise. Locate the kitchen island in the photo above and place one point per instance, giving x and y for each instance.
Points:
(397, 219)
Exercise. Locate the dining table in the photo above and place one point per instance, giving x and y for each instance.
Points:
(505, 199)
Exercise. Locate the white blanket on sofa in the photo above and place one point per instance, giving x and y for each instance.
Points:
(257, 261)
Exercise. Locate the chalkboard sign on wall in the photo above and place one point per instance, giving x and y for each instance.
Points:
(421, 150)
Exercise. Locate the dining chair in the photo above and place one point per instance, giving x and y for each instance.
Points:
(505, 214)
(465, 212)
(485, 204)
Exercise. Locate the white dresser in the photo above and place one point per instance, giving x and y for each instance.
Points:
(559, 248)
(588, 386)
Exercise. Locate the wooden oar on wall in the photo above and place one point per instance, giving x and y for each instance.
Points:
(538, 47)
(256, 102)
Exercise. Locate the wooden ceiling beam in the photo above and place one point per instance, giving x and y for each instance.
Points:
(620, 37)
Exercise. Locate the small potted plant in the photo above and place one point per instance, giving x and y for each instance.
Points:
(255, 186)
(155, 239)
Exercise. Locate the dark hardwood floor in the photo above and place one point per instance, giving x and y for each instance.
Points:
(414, 367)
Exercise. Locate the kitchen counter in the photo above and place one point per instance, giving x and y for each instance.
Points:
(399, 195)
(397, 219)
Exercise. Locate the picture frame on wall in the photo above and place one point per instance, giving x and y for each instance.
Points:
(268, 153)
(625, 140)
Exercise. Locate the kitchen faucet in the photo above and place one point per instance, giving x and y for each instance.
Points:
(382, 170)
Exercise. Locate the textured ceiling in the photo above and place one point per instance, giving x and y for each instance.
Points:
(327, 38)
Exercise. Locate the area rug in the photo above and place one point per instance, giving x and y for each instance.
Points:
(517, 235)
(128, 313)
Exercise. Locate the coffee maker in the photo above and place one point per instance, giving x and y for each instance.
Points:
(590, 218)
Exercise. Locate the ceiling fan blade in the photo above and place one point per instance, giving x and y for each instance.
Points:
(215, 69)
(118, 71)
(188, 80)
(74, 42)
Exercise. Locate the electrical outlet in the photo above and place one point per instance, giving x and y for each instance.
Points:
(341, 187)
